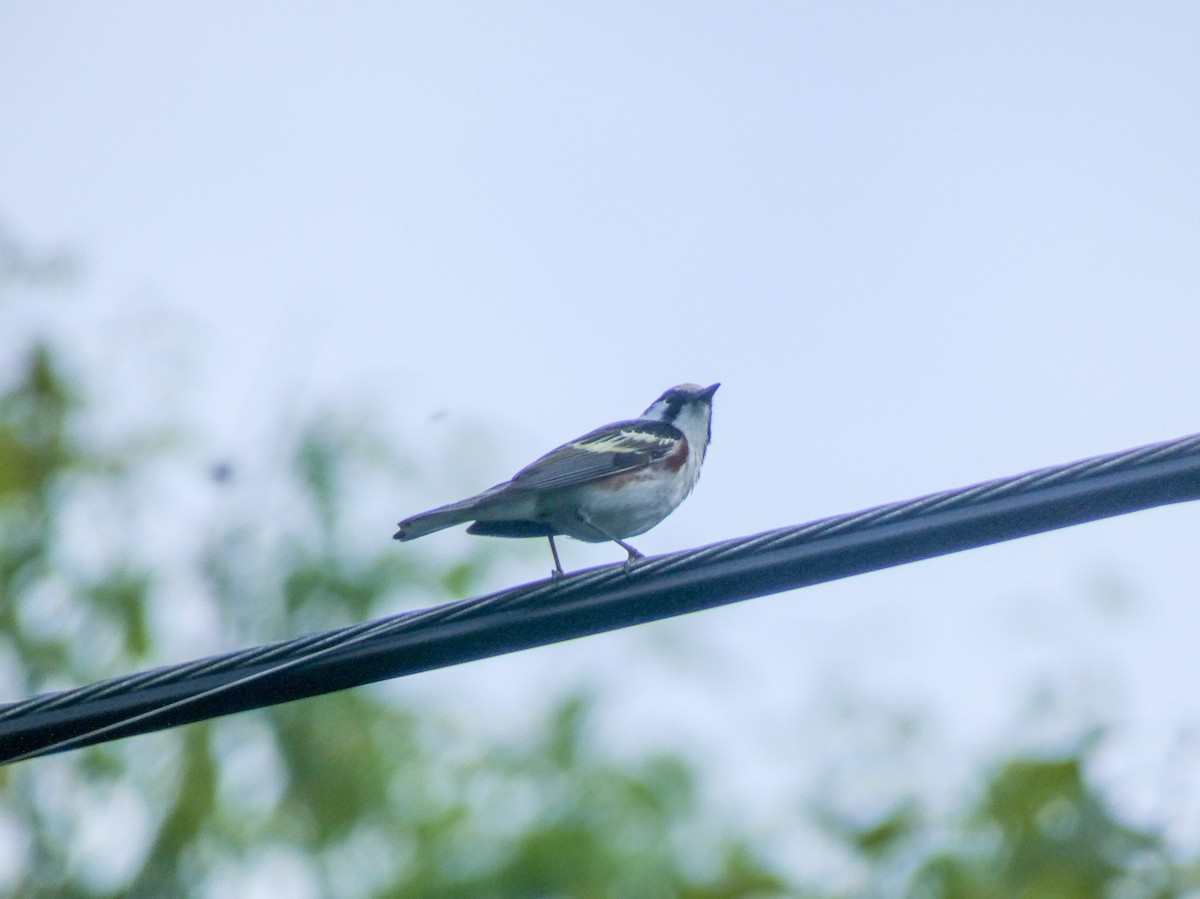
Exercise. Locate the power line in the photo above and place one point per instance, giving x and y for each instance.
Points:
(604, 599)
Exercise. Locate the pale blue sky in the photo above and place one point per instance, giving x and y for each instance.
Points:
(920, 246)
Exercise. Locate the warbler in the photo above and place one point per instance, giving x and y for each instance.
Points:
(615, 482)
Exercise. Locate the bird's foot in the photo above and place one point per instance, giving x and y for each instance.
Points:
(634, 558)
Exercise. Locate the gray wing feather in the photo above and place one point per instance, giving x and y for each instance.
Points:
(613, 449)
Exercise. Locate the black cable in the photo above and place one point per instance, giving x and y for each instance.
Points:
(603, 599)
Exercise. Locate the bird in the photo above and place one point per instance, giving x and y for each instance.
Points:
(617, 481)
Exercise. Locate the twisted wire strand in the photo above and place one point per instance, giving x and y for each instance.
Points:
(604, 598)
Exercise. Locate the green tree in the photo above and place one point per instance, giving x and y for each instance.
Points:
(1041, 829)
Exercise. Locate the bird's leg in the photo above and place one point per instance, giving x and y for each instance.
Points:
(633, 553)
(558, 569)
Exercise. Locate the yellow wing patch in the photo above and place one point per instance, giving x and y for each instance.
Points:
(627, 441)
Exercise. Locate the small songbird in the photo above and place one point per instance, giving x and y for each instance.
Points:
(617, 481)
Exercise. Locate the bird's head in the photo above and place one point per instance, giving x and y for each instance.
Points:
(689, 408)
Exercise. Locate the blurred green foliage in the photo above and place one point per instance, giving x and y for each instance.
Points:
(1041, 829)
(356, 795)
(347, 795)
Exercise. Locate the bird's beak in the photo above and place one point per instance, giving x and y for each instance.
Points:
(707, 392)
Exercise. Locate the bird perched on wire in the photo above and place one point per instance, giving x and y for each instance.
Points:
(615, 482)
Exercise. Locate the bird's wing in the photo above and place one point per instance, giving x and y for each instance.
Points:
(612, 449)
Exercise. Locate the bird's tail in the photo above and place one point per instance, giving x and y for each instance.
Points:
(443, 516)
